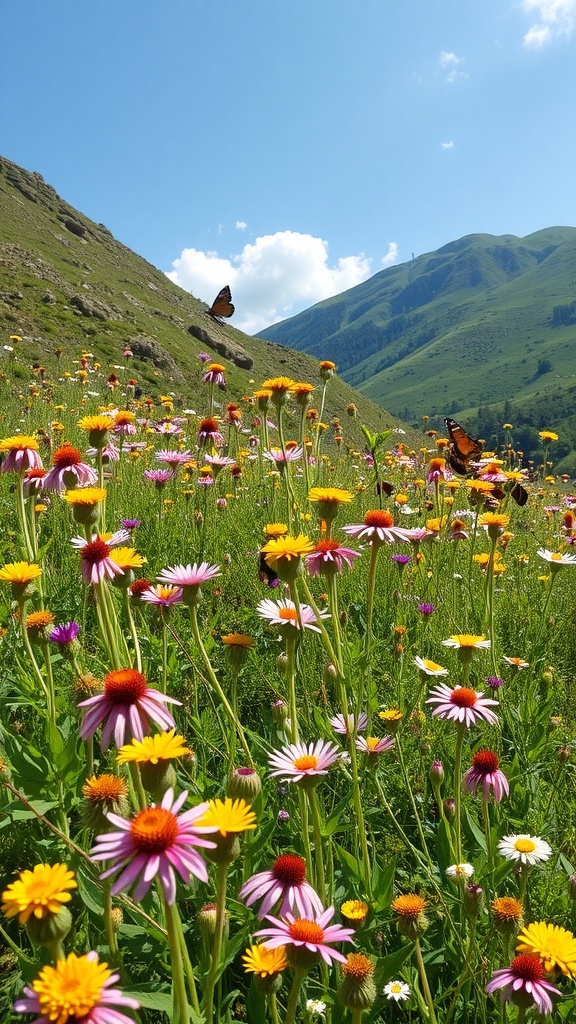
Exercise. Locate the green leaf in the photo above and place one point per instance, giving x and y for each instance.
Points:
(151, 999)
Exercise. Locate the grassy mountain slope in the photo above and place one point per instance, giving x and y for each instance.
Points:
(482, 322)
(66, 282)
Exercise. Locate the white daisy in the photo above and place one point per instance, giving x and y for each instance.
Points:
(396, 990)
(459, 871)
(524, 849)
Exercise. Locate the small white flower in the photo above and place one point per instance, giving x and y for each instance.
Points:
(457, 871)
(316, 1007)
(396, 990)
(525, 849)
(429, 667)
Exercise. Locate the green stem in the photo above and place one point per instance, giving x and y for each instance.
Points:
(273, 1008)
(458, 790)
(318, 856)
(180, 1007)
(132, 628)
(141, 798)
(24, 519)
(291, 686)
(424, 981)
(363, 694)
(217, 944)
(290, 1017)
(188, 969)
(486, 822)
(109, 928)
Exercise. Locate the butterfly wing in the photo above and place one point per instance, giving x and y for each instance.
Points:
(520, 494)
(222, 305)
(463, 448)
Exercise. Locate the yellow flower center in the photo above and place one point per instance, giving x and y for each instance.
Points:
(524, 846)
(71, 989)
(306, 762)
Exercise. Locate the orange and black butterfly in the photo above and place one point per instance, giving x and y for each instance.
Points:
(222, 306)
(463, 448)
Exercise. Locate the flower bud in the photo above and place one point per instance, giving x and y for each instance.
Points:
(449, 807)
(206, 918)
(436, 774)
(244, 784)
(357, 990)
(50, 930)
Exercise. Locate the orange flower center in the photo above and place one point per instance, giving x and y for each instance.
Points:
(486, 761)
(378, 518)
(327, 545)
(288, 613)
(303, 764)
(94, 552)
(507, 908)
(358, 966)
(306, 931)
(125, 686)
(209, 426)
(154, 830)
(409, 905)
(67, 455)
(462, 697)
(527, 967)
(289, 869)
(104, 788)
(525, 845)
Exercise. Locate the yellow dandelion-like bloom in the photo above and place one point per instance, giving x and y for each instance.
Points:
(238, 640)
(229, 816)
(284, 549)
(354, 910)
(39, 620)
(73, 988)
(547, 435)
(480, 486)
(39, 892)
(329, 495)
(163, 746)
(20, 573)
(393, 714)
(99, 423)
(494, 520)
(18, 443)
(264, 962)
(128, 558)
(275, 529)
(279, 386)
(555, 946)
(105, 790)
(88, 496)
(410, 905)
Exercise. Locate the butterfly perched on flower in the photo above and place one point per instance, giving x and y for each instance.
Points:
(222, 306)
(463, 448)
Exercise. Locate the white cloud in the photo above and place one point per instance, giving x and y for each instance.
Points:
(273, 278)
(555, 18)
(450, 62)
(241, 225)
(447, 145)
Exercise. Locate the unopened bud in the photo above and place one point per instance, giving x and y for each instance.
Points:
(245, 785)
(449, 809)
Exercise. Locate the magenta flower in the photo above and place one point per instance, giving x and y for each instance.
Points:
(189, 578)
(172, 458)
(110, 453)
(310, 933)
(163, 595)
(282, 457)
(298, 762)
(462, 705)
(523, 983)
(377, 528)
(283, 613)
(68, 471)
(65, 634)
(156, 841)
(127, 706)
(286, 881)
(159, 477)
(203, 357)
(208, 432)
(486, 773)
(214, 375)
(345, 726)
(67, 975)
(96, 561)
(329, 558)
(130, 524)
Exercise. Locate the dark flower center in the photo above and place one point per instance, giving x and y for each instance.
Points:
(289, 869)
(125, 686)
(485, 761)
(67, 455)
(527, 967)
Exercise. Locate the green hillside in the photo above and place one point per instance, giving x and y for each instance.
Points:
(66, 283)
(484, 323)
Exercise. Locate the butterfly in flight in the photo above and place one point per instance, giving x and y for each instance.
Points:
(222, 306)
(464, 449)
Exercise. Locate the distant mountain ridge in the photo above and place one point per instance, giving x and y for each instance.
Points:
(483, 321)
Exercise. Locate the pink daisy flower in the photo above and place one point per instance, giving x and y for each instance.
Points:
(158, 477)
(286, 881)
(373, 745)
(462, 705)
(157, 841)
(523, 982)
(486, 773)
(416, 534)
(208, 432)
(311, 933)
(329, 558)
(345, 726)
(172, 458)
(110, 453)
(297, 762)
(162, 594)
(20, 454)
(377, 528)
(214, 374)
(282, 457)
(72, 985)
(284, 613)
(127, 706)
(68, 471)
(96, 561)
(189, 578)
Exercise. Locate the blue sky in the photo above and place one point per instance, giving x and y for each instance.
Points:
(292, 149)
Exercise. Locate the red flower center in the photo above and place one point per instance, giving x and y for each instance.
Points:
(67, 455)
(378, 518)
(154, 830)
(94, 552)
(327, 545)
(289, 869)
(527, 967)
(485, 761)
(462, 697)
(306, 931)
(125, 686)
(140, 587)
(208, 426)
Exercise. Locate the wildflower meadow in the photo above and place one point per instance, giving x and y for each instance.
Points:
(287, 725)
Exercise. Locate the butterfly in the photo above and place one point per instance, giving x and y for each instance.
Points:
(266, 573)
(463, 448)
(222, 306)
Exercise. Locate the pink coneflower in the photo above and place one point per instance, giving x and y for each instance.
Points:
(492, 472)
(377, 528)
(282, 457)
(20, 454)
(168, 427)
(173, 459)
(299, 761)
(126, 708)
(219, 462)
(204, 357)
(523, 983)
(162, 595)
(68, 471)
(310, 933)
(158, 477)
(110, 453)
(214, 374)
(345, 726)
(286, 881)
(486, 773)
(190, 578)
(96, 563)
(208, 432)
(34, 481)
(373, 745)
(416, 534)
(155, 842)
(438, 471)
(329, 558)
(462, 705)
(284, 613)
